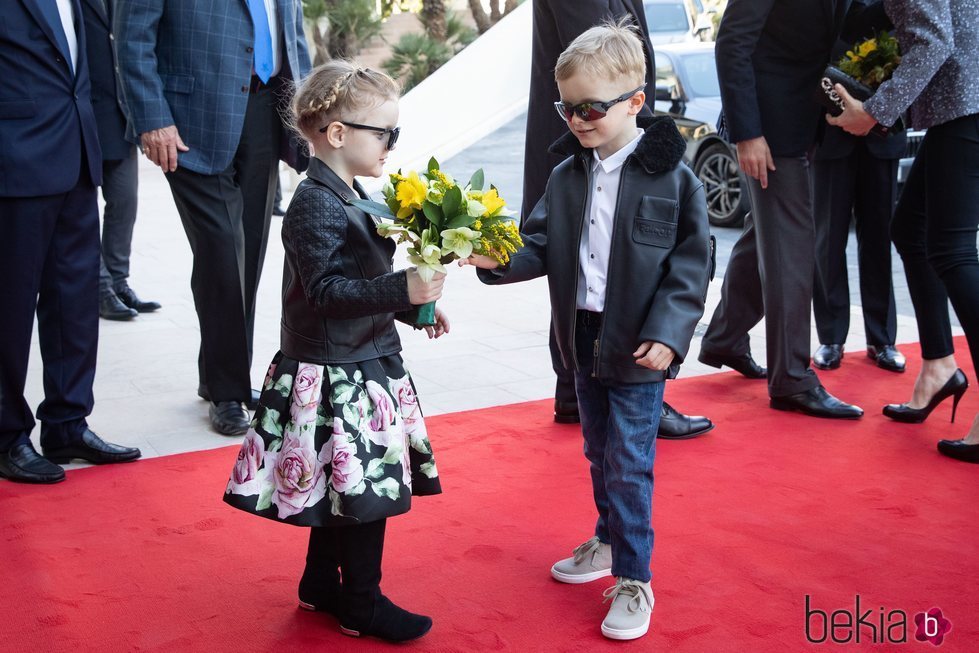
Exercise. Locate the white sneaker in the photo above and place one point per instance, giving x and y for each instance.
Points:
(632, 606)
(590, 561)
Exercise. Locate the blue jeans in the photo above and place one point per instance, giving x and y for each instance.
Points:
(619, 425)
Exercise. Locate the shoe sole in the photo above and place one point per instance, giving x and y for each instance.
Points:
(708, 359)
(631, 633)
(821, 366)
(46, 481)
(64, 460)
(792, 408)
(578, 579)
(350, 632)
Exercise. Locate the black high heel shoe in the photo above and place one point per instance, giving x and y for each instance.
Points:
(954, 387)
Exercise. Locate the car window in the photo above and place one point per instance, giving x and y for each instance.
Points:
(701, 74)
(666, 17)
(664, 71)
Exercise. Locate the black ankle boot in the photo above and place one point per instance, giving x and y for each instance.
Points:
(319, 588)
(388, 622)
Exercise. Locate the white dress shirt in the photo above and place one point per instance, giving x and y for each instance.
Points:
(68, 23)
(596, 237)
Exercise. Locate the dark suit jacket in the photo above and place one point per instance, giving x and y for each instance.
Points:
(556, 24)
(47, 127)
(110, 112)
(770, 54)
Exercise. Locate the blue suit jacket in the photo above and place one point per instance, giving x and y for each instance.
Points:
(106, 95)
(189, 63)
(47, 128)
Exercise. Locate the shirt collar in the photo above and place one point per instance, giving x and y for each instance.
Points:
(615, 161)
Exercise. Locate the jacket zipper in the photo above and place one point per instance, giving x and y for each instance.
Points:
(608, 275)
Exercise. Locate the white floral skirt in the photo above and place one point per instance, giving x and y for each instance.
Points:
(334, 444)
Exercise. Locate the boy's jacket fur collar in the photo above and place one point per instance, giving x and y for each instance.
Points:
(661, 147)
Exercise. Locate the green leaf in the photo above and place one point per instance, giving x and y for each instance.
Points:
(375, 469)
(284, 385)
(336, 506)
(376, 208)
(452, 201)
(270, 422)
(433, 164)
(342, 392)
(462, 220)
(393, 455)
(322, 417)
(357, 490)
(387, 487)
(428, 469)
(393, 204)
(433, 213)
(477, 180)
(351, 414)
(265, 498)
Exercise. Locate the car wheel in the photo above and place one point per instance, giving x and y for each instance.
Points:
(727, 196)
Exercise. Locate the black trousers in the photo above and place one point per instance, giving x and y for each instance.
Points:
(864, 187)
(120, 185)
(770, 274)
(934, 230)
(49, 266)
(226, 217)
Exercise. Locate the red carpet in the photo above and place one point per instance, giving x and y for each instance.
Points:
(768, 508)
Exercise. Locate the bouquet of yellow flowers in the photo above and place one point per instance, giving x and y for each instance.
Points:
(442, 220)
(872, 62)
(864, 68)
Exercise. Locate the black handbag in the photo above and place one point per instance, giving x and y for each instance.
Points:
(827, 96)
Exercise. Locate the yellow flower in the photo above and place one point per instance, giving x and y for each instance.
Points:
(410, 194)
(492, 201)
(867, 47)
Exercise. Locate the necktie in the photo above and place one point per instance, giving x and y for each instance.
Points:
(263, 40)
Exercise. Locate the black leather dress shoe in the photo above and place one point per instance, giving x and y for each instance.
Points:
(566, 412)
(251, 404)
(88, 446)
(744, 364)
(112, 308)
(674, 425)
(959, 450)
(828, 357)
(229, 417)
(817, 403)
(24, 465)
(128, 297)
(887, 357)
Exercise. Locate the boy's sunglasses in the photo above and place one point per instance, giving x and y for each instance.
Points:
(392, 133)
(589, 111)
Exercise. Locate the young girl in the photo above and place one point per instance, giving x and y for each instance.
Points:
(338, 442)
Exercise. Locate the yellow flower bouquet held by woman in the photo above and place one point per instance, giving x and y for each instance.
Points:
(442, 221)
(861, 71)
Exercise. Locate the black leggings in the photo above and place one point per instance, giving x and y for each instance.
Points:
(934, 230)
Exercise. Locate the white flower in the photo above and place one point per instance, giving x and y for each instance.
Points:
(459, 241)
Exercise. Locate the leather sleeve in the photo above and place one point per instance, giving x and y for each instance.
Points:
(530, 261)
(316, 229)
(679, 301)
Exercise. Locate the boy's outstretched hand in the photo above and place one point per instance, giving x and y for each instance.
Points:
(441, 324)
(479, 261)
(654, 355)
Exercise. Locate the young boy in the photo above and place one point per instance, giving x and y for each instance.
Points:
(622, 235)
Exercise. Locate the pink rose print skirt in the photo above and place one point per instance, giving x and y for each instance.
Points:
(334, 444)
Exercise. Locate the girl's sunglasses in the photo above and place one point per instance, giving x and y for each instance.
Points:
(589, 111)
(392, 133)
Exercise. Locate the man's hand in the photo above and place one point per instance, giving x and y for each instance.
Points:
(161, 146)
(654, 355)
(441, 324)
(853, 119)
(479, 261)
(755, 159)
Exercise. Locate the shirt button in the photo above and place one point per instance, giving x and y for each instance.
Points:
(112, 37)
(593, 256)
(593, 222)
(249, 49)
(599, 189)
(244, 89)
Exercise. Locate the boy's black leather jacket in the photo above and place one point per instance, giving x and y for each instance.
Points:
(659, 262)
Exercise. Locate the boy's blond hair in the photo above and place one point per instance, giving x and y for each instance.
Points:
(612, 49)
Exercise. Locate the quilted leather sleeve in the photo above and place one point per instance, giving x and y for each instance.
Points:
(315, 230)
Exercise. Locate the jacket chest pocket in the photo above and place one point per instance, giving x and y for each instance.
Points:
(656, 223)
